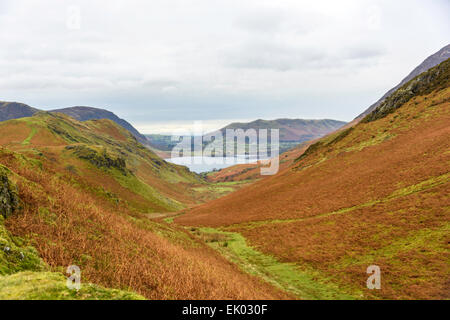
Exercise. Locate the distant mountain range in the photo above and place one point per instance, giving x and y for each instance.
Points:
(429, 63)
(15, 110)
(291, 130)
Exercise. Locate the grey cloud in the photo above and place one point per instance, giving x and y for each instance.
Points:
(166, 59)
(267, 21)
(47, 52)
(282, 57)
(270, 56)
(159, 83)
(52, 82)
(363, 52)
(261, 21)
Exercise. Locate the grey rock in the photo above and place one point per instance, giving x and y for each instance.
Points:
(9, 201)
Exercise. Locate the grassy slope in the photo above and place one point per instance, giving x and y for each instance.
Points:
(23, 275)
(52, 286)
(91, 150)
(283, 275)
(374, 194)
(83, 205)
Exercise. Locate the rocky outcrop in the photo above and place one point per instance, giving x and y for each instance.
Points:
(101, 160)
(437, 78)
(9, 201)
(429, 63)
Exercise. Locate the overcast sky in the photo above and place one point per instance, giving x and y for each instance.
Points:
(163, 64)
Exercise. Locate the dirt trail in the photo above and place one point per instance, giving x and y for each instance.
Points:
(160, 215)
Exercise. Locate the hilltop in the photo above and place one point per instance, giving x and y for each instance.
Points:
(427, 64)
(14, 110)
(375, 193)
(89, 113)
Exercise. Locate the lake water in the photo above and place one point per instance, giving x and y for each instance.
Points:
(200, 164)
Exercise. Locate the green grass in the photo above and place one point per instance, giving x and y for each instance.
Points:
(213, 188)
(33, 132)
(137, 186)
(169, 220)
(15, 256)
(233, 183)
(286, 276)
(52, 286)
(376, 139)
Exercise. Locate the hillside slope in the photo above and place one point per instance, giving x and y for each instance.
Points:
(373, 194)
(80, 193)
(427, 64)
(89, 113)
(105, 155)
(15, 110)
